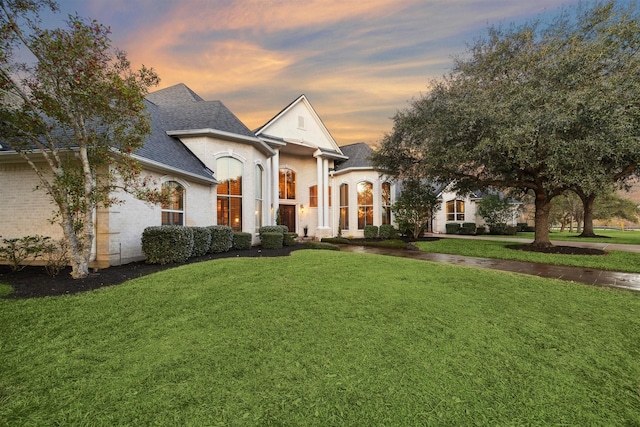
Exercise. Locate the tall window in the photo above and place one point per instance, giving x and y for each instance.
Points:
(313, 196)
(259, 176)
(287, 184)
(230, 192)
(344, 206)
(173, 210)
(455, 210)
(365, 204)
(386, 203)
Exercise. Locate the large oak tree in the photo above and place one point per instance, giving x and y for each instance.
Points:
(542, 107)
(74, 110)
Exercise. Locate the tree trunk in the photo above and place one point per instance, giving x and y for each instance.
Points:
(543, 207)
(587, 203)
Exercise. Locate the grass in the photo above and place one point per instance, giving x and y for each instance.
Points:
(324, 338)
(612, 261)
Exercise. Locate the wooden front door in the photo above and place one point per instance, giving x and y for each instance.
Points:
(288, 216)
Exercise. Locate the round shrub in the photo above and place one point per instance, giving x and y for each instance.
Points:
(167, 243)
(284, 228)
(370, 231)
(289, 239)
(272, 240)
(242, 241)
(388, 231)
(221, 238)
(201, 240)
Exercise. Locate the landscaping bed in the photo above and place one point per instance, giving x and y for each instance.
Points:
(33, 281)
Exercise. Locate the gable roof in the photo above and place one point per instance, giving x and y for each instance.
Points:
(269, 132)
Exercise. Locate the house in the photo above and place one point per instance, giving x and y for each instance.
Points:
(290, 170)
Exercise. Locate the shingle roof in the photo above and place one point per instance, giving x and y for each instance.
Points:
(161, 148)
(358, 153)
(203, 115)
(174, 95)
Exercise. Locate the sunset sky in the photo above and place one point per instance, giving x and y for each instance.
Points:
(358, 62)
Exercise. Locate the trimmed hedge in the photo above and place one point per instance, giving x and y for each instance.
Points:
(370, 231)
(496, 229)
(272, 240)
(467, 228)
(481, 230)
(167, 243)
(388, 231)
(201, 241)
(289, 239)
(242, 241)
(452, 227)
(273, 229)
(221, 238)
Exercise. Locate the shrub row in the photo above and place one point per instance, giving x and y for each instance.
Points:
(385, 231)
(174, 243)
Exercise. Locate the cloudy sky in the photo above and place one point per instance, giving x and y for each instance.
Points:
(357, 61)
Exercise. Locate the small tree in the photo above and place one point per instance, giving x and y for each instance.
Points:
(495, 209)
(74, 110)
(415, 207)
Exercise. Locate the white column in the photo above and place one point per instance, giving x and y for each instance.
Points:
(275, 169)
(320, 193)
(325, 191)
(268, 193)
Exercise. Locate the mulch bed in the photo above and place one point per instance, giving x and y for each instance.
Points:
(564, 250)
(33, 281)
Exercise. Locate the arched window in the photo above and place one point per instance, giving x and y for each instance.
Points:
(455, 210)
(229, 174)
(173, 210)
(365, 204)
(259, 177)
(344, 206)
(386, 203)
(287, 184)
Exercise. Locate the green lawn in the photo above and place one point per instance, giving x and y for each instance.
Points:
(613, 260)
(324, 338)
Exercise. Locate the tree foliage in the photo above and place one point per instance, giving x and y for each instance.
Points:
(414, 207)
(496, 209)
(74, 110)
(540, 108)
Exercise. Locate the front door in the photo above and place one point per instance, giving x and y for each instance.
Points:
(288, 216)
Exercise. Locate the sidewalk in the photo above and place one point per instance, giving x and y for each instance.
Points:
(630, 281)
(577, 243)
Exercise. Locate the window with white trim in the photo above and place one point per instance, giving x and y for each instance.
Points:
(173, 209)
(229, 174)
(455, 210)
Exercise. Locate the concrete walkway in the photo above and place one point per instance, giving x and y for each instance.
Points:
(590, 276)
(577, 243)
